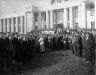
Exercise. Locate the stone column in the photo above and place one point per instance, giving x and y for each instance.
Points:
(33, 20)
(17, 25)
(25, 23)
(43, 26)
(88, 17)
(95, 13)
(71, 17)
(29, 22)
(0, 25)
(21, 24)
(39, 21)
(8, 25)
(65, 18)
(47, 19)
(83, 15)
(51, 19)
(4, 26)
(80, 16)
(12, 25)
(55, 17)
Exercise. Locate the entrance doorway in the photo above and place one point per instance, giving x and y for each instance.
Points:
(93, 25)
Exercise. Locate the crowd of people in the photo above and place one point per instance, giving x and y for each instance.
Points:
(20, 48)
(83, 44)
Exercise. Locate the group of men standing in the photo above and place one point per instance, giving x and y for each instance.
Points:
(83, 44)
(20, 48)
(15, 48)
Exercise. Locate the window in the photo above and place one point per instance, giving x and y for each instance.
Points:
(92, 25)
(36, 18)
(10, 21)
(6, 24)
(68, 14)
(5, 21)
(59, 1)
(2, 24)
(19, 20)
(92, 11)
(14, 20)
(76, 13)
(65, 0)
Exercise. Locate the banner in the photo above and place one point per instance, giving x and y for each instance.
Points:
(48, 32)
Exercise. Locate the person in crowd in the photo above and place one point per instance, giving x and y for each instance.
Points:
(24, 48)
(1, 52)
(66, 44)
(88, 47)
(15, 43)
(30, 47)
(6, 49)
(83, 43)
(70, 44)
(50, 42)
(37, 46)
(74, 44)
(46, 42)
(54, 42)
(79, 44)
(93, 48)
(16, 48)
(41, 41)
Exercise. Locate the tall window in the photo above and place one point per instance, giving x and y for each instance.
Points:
(19, 27)
(92, 11)
(2, 24)
(68, 13)
(14, 20)
(6, 24)
(76, 13)
(44, 17)
(10, 23)
(36, 18)
(92, 24)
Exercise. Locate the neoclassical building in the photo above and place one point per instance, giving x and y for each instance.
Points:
(59, 14)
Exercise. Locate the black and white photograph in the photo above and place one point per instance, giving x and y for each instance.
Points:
(47, 37)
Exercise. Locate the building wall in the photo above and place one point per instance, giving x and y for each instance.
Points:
(59, 18)
(11, 6)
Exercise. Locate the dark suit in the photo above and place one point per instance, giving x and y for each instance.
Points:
(83, 43)
(15, 43)
(79, 46)
(24, 48)
(6, 51)
(88, 46)
(66, 43)
(1, 54)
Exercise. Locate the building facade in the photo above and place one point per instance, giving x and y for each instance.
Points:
(59, 14)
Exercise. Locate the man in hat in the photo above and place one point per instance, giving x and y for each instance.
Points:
(89, 43)
(15, 42)
(1, 52)
(79, 44)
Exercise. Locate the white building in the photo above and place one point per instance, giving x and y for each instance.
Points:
(60, 13)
